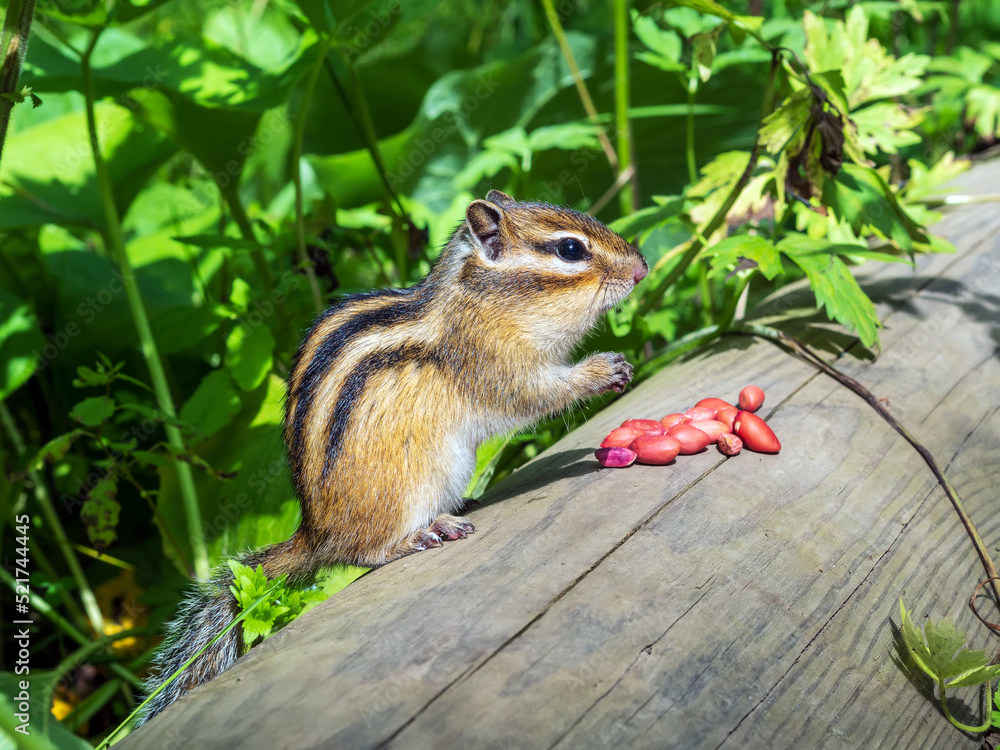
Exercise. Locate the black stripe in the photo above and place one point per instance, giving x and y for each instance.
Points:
(515, 284)
(353, 389)
(409, 306)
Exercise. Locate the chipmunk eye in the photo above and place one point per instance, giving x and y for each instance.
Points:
(571, 249)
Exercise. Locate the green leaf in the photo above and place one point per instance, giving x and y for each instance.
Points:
(257, 506)
(983, 105)
(55, 450)
(869, 72)
(87, 377)
(963, 62)
(742, 25)
(704, 6)
(948, 656)
(886, 126)
(837, 291)
(925, 182)
(485, 164)
(637, 222)
(726, 254)
(197, 461)
(318, 13)
(860, 195)
(213, 404)
(704, 51)
(254, 629)
(665, 45)
(93, 411)
(249, 355)
(48, 184)
(723, 170)
(22, 347)
(977, 676)
(787, 121)
(100, 513)
(570, 136)
(180, 329)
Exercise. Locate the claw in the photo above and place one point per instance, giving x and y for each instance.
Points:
(452, 527)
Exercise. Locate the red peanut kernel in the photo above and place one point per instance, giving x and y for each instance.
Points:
(648, 426)
(672, 420)
(726, 416)
(751, 398)
(715, 403)
(698, 413)
(620, 437)
(615, 458)
(729, 444)
(692, 439)
(655, 449)
(711, 427)
(755, 433)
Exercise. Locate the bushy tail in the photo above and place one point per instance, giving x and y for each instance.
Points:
(207, 610)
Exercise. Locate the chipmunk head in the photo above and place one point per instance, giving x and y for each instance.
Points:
(559, 270)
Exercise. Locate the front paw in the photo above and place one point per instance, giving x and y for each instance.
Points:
(616, 372)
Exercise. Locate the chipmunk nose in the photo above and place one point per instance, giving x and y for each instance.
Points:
(640, 272)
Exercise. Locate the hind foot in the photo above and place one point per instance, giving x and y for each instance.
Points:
(446, 527)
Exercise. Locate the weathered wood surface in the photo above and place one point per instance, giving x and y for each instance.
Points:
(743, 603)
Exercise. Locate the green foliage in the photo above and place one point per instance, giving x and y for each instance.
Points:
(995, 713)
(940, 652)
(282, 605)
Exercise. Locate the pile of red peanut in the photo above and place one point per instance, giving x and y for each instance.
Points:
(711, 420)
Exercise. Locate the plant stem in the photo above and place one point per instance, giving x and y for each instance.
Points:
(13, 46)
(365, 118)
(300, 129)
(782, 338)
(652, 299)
(956, 722)
(729, 311)
(678, 347)
(369, 137)
(147, 343)
(692, 163)
(629, 196)
(581, 86)
(62, 541)
(231, 194)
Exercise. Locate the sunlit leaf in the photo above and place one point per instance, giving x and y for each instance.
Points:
(835, 288)
(725, 255)
(213, 404)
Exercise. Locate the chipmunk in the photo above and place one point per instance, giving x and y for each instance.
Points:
(392, 391)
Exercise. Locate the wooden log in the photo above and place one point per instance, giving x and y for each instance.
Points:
(715, 603)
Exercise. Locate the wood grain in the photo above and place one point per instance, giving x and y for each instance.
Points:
(737, 603)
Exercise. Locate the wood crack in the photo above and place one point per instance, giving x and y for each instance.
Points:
(645, 650)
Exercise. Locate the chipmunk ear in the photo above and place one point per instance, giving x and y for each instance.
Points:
(501, 199)
(484, 218)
